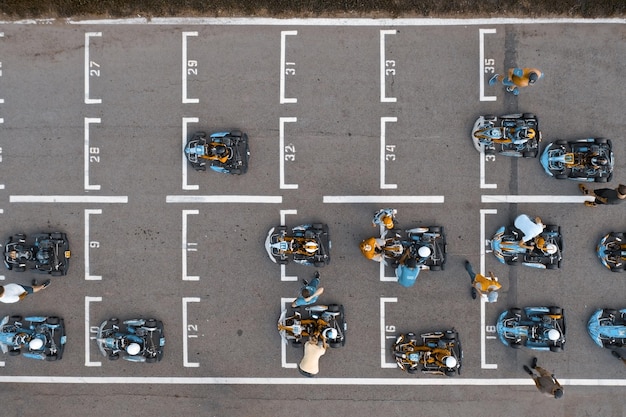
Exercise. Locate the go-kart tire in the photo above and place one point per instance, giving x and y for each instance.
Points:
(611, 311)
(235, 171)
(450, 335)
(556, 348)
(527, 116)
(335, 345)
(20, 269)
(113, 356)
(412, 370)
(552, 266)
(15, 318)
(151, 324)
(602, 179)
(516, 311)
(555, 310)
(151, 359)
(318, 264)
(516, 345)
(51, 357)
(490, 117)
(435, 268)
(528, 154)
(56, 235)
(560, 176)
(296, 343)
(56, 273)
(435, 229)
(236, 133)
(601, 140)
(617, 269)
(14, 352)
(552, 228)
(560, 142)
(54, 320)
(334, 308)
(282, 261)
(114, 321)
(200, 134)
(200, 168)
(449, 372)
(511, 262)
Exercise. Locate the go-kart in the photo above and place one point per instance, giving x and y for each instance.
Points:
(581, 160)
(426, 250)
(612, 251)
(515, 135)
(607, 328)
(505, 245)
(139, 341)
(537, 328)
(307, 244)
(36, 337)
(48, 253)
(327, 321)
(434, 353)
(225, 152)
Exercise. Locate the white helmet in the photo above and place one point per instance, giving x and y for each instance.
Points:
(424, 251)
(554, 334)
(310, 247)
(450, 361)
(551, 248)
(133, 349)
(330, 333)
(35, 344)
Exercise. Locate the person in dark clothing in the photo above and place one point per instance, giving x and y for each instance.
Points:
(604, 195)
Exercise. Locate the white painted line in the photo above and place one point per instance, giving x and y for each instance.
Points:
(400, 381)
(185, 246)
(483, 244)
(88, 121)
(283, 268)
(397, 199)
(534, 199)
(252, 199)
(371, 22)
(86, 199)
(88, 361)
(383, 333)
(1, 120)
(185, 98)
(281, 144)
(383, 124)
(383, 67)
(89, 244)
(284, 343)
(283, 69)
(186, 362)
(382, 277)
(483, 161)
(185, 164)
(481, 65)
(89, 100)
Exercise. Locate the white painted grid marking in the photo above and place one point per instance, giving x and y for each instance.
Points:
(383, 125)
(392, 199)
(283, 38)
(383, 338)
(185, 246)
(102, 199)
(88, 121)
(89, 100)
(185, 164)
(88, 276)
(483, 161)
(283, 268)
(507, 199)
(184, 65)
(481, 65)
(383, 67)
(251, 199)
(281, 144)
(483, 240)
(186, 362)
(283, 342)
(88, 361)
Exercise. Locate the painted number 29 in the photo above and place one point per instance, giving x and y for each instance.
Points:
(192, 67)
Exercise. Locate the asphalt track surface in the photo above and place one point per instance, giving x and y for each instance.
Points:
(344, 117)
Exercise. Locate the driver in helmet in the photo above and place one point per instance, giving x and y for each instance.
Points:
(36, 344)
(44, 256)
(598, 161)
(522, 135)
(218, 152)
